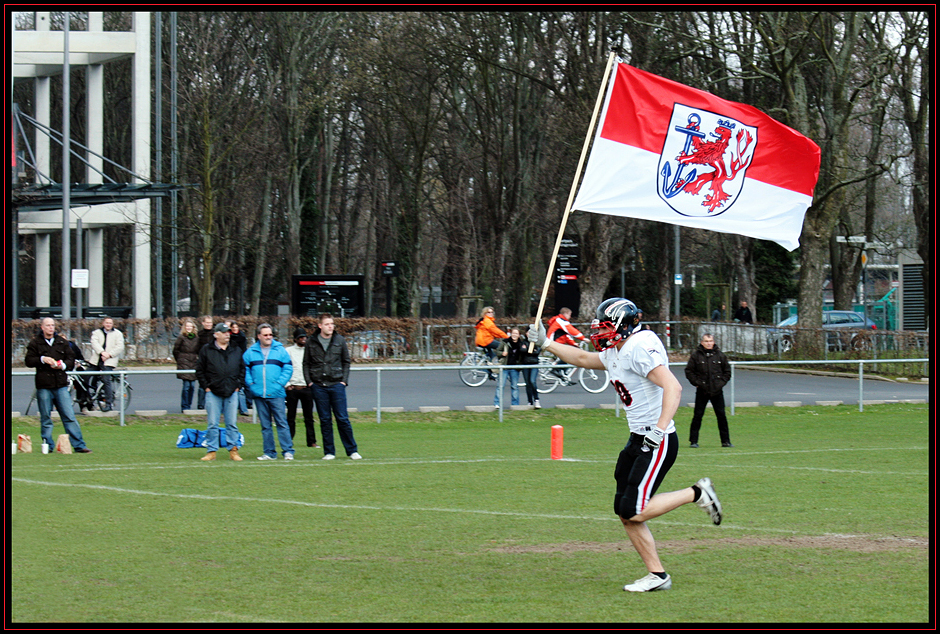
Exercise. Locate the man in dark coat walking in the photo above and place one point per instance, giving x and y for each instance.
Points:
(708, 370)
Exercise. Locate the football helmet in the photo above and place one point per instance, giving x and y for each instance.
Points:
(619, 318)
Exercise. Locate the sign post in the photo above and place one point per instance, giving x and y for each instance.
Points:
(389, 270)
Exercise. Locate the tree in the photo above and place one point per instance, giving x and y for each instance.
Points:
(222, 107)
(298, 62)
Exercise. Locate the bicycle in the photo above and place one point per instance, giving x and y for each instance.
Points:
(477, 376)
(551, 377)
(96, 395)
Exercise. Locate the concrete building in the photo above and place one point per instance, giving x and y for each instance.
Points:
(39, 57)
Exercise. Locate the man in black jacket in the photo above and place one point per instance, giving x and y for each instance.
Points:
(708, 370)
(743, 314)
(206, 336)
(326, 371)
(52, 356)
(220, 371)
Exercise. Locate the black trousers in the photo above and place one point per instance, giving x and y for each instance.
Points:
(305, 397)
(718, 403)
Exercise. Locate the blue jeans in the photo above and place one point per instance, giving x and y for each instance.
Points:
(273, 409)
(332, 400)
(217, 407)
(531, 376)
(62, 400)
(513, 377)
(201, 398)
(186, 397)
(108, 384)
(243, 400)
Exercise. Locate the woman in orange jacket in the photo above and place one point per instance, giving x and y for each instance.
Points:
(487, 334)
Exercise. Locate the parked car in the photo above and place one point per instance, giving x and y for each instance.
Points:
(845, 330)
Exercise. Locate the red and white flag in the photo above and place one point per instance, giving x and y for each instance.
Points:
(671, 153)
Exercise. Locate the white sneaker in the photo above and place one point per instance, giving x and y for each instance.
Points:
(288, 456)
(537, 404)
(709, 500)
(355, 456)
(267, 457)
(329, 456)
(649, 583)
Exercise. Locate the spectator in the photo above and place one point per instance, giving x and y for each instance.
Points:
(268, 368)
(52, 356)
(298, 391)
(510, 353)
(107, 345)
(326, 371)
(206, 336)
(186, 353)
(743, 314)
(487, 334)
(561, 329)
(220, 371)
(709, 371)
(719, 313)
(240, 341)
(531, 375)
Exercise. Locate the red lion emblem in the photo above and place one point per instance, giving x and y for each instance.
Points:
(712, 153)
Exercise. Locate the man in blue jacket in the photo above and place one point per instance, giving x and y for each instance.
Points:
(268, 369)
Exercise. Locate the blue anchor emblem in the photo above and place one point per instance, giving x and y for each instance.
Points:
(671, 189)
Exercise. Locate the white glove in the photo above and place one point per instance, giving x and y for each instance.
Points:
(653, 438)
(537, 336)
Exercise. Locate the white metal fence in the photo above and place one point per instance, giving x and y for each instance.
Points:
(860, 363)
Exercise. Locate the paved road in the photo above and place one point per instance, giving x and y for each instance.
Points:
(414, 388)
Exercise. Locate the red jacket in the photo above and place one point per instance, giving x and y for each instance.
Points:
(561, 330)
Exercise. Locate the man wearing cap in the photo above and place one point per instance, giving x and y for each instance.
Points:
(298, 390)
(220, 371)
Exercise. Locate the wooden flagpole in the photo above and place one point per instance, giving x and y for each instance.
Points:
(574, 188)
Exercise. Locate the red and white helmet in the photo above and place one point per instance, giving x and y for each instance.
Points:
(619, 317)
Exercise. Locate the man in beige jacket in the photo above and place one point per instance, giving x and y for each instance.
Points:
(107, 345)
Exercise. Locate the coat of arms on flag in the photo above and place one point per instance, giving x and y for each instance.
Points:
(671, 153)
(704, 161)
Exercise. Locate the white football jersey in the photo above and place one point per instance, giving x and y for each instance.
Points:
(628, 368)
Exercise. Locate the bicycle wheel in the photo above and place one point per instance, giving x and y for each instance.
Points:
(547, 381)
(473, 377)
(594, 381)
(120, 386)
(99, 399)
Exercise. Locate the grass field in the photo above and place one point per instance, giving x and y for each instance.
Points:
(455, 518)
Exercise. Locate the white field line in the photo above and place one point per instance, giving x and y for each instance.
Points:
(406, 509)
(339, 462)
(364, 507)
(402, 462)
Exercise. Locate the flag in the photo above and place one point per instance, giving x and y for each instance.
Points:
(671, 153)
